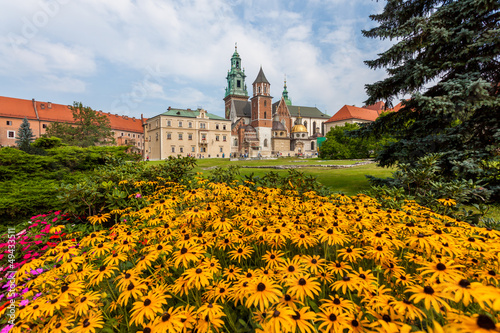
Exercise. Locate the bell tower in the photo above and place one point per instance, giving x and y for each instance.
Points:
(262, 118)
(236, 88)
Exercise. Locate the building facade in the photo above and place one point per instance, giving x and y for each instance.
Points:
(126, 130)
(180, 132)
(260, 127)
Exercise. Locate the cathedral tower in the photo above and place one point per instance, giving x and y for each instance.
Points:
(236, 88)
(261, 118)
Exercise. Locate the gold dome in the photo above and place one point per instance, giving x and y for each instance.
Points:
(299, 129)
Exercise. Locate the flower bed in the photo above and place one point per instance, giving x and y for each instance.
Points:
(225, 259)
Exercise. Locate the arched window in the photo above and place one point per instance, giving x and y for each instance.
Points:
(265, 89)
(259, 90)
(265, 103)
(305, 123)
(312, 145)
(265, 142)
(314, 127)
(265, 115)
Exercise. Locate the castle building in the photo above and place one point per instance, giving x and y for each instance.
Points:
(126, 130)
(260, 127)
(180, 132)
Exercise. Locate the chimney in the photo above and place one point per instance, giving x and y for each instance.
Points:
(49, 105)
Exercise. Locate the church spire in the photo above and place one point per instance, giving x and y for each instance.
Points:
(236, 76)
(285, 94)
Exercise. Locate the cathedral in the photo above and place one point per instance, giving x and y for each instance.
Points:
(260, 127)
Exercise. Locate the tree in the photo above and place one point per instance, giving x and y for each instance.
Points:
(446, 57)
(25, 136)
(338, 145)
(89, 128)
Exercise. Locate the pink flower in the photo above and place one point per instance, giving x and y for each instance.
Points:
(55, 219)
(138, 195)
(57, 213)
(27, 247)
(45, 247)
(38, 242)
(27, 256)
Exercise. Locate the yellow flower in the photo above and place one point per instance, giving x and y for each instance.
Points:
(99, 218)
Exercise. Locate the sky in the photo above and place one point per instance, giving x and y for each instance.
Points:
(136, 57)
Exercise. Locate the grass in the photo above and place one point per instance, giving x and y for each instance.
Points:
(349, 180)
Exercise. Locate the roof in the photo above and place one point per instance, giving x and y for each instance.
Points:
(249, 128)
(261, 78)
(299, 129)
(243, 108)
(277, 126)
(379, 106)
(188, 113)
(353, 112)
(51, 112)
(306, 111)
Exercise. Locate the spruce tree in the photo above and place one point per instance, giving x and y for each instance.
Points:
(25, 136)
(446, 62)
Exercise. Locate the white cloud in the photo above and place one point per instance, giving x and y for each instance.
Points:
(190, 44)
(62, 84)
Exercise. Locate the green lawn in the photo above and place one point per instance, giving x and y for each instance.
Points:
(349, 180)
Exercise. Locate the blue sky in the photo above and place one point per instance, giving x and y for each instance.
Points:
(142, 56)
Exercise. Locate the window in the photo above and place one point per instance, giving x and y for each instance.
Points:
(238, 83)
(216, 138)
(305, 123)
(133, 135)
(156, 123)
(149, 140)
(122, 133)
(180, 123)
(203, 150)
(265, 103)
(259, 90)
(314, 127)
(190, 125)
(173, 149)
(156, 136)
(44, 125)
(203, 137)
(265, 142)
(129, 135)
(193, 149)
(181, 149)
(312, 145)
(42, 106)
(11, 134)
(235, 142)
(224, 127)
(169, 136)
(224, 138)
(180, 136)
(149, 126)
(303, 135)
(221, 149)
(265, 115)
(169, 123)
(265, 91)
(9, 123)
(202, 125)
(216, 126)
(190, 136)
(126, 141)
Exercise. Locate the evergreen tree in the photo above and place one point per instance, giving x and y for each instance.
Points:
(89, 128)
(25, 136)
(447, 59)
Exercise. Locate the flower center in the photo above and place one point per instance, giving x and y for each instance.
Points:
(302, 282)
(329, 231)
(83, 299)
(483, 321)
(261, 287)
(198, 271)
(296, 316)
(314, 261)
(291, 268)
(86, 323)
(386, 318)
(336, 301)
(147, 302)
(130, 286)
(332, 317)
(354, 323)
(288, 298)
(492, 273)
(346, 278)
(464, 283)
(240, 250)
(276, 313)
(441, 266)
(428, 290)
(165, 317)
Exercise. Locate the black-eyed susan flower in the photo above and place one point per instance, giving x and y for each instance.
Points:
(280, 320)
(302, 286)
(169, 321)
(331, 321)
(302, 320)
(147, 308)
(99, 218)
(263, 292)
(87, 301)
(89, 324)
(430, 295)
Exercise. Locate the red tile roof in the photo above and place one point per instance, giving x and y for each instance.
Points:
(50, 112)
(379, 106)
(353, 112)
